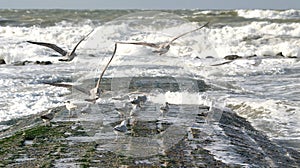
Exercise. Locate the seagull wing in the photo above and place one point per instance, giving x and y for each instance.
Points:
(74, 49)
(175, 38)
(52, 46)
(101, 75)
(65, 85)
(69, 86)
(85, 91)
(141, 43)
(96, 89)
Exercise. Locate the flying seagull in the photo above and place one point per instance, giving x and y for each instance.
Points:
(95, 92)
(162, 48)
(68, 56)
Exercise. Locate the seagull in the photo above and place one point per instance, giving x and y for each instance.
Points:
(142, 99)
(162, 48)
(48, 117)
(121, 128)
(136, 101)
(68, 56)
(164, 109)
(95, 92)
(70, 106)
(139, 100)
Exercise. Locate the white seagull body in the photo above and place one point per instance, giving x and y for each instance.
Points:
(70, 106)
(135, 109)
(164, 109)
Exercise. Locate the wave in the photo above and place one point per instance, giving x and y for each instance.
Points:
(269, 14)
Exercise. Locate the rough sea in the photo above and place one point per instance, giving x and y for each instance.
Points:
(262, 85)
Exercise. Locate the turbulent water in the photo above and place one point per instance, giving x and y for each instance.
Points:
(262, 86)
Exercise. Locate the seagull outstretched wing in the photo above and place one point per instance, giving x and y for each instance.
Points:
(175, 38)
(74, 49)
(52, 46)
(141, 43)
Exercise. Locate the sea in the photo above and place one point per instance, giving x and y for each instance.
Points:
(250, 59)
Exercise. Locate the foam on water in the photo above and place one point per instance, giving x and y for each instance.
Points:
(17, 49)
(278, 119)
(23, 94)
(270, 14)
(185, 97)
(256, 38)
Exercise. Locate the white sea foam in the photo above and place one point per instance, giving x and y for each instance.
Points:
(278, 119)
(17, 49)
(23, 94)
(260, 38)
(222, 148)
(270, 14)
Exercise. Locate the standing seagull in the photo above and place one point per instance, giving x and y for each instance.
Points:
(162, 48)
(70, 106)
(121, 128)
(142, 99)
(68, 56)
(48, 117)
(164, 109)
(135, 109)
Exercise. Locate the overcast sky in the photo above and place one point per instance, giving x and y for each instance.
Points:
(150, 4)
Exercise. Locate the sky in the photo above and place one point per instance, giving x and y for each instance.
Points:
(150, 4)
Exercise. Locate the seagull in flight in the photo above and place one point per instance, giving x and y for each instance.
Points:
(96, 91)
(162, 48)
(68, 56)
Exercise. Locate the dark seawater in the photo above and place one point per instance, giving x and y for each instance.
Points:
(43, 18)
